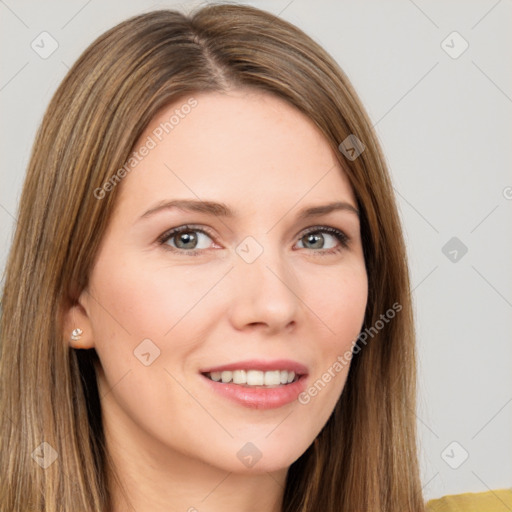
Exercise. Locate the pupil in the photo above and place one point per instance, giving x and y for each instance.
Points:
(187, 238)
(313, 236)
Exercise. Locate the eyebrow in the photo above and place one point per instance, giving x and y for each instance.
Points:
(223, 210)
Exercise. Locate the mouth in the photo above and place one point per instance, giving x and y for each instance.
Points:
(254, 378)
(258, 384)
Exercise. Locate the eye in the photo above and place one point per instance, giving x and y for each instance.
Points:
(312, 237)
(186, 239)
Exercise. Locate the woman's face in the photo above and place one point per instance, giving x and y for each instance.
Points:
(261, 290)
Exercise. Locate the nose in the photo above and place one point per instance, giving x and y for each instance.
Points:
(264, 292)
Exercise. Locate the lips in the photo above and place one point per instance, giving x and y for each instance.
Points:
(258, 395)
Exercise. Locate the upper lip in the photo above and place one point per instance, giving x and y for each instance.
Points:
(260, 364)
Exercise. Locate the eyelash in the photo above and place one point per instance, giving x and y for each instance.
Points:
(339, 235)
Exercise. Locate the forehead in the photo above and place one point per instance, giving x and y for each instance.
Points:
(243, 145)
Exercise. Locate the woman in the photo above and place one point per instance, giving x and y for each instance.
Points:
(170, 340)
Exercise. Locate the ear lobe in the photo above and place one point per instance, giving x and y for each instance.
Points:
(77, 327)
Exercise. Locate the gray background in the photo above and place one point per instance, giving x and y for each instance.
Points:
(446, 128)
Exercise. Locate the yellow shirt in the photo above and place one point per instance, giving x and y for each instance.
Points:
(498, 500)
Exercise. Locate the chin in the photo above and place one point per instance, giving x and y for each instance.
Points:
(261, 456)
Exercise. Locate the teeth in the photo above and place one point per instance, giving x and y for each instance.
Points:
(254, 377)
(226, 376)
(239, 377)
(273, 378)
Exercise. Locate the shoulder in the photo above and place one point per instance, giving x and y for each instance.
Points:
(499, 500)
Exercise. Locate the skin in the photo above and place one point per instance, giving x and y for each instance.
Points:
(173, 440)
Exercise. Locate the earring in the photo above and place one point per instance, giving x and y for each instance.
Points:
(75, 335)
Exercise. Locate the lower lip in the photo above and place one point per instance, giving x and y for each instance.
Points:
(259, 398)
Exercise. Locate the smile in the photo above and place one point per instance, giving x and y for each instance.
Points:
(249, 378)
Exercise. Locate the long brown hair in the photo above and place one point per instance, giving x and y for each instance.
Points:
(365, 458)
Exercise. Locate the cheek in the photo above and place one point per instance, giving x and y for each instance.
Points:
(139, 300)
(341, 308)
(136, 301)
(340, 305)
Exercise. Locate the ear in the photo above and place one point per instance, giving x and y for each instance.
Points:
(76, 316)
